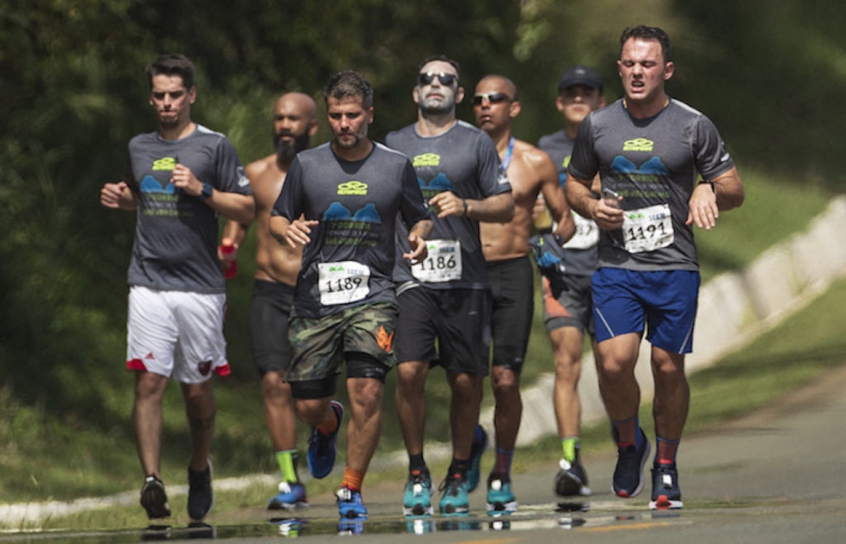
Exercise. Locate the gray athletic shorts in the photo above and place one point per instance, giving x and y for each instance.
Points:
(572, 308)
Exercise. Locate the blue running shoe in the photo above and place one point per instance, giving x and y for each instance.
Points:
(291, 495)
(628, 474)
(454, 500)
(349, 504)
(480, 442)
(501, 499)
(666, 494)
(322, 449)
(417, 500)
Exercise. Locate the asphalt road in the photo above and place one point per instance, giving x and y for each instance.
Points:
(777, 476)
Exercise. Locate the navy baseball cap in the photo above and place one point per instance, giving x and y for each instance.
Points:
(580, 75)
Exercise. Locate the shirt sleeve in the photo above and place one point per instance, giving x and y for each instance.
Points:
(412, 207)
(290, 202)
(584, 163)
(230, 172)
(709, 150)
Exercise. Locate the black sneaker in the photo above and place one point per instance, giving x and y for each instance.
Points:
(666, 494)
(572, 479)
(200, 495)
(628, 476)
(154, 498)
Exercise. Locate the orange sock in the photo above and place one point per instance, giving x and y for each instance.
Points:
(352, 479)
(328, 427)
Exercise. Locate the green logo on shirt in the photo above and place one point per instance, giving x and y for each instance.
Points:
(166, 163)
(352, 188)
(638, 144)
(427, 159)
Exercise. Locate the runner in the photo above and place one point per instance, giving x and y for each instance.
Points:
(649, 150)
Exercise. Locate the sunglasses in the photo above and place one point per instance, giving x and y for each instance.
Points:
(492, 98)
(443, 77)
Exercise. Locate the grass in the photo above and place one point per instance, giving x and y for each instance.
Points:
(44, 457)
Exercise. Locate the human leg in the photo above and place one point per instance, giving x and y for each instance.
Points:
(147, 421)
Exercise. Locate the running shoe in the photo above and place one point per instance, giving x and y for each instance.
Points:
(322, 449)
(154, 498)
(417, 500)
(291, 495)
(474, 473)
(628, 475)
(349, 504)
(501, 499)
(571, 479)
(200, 495)
(454, 500)
(666, 494)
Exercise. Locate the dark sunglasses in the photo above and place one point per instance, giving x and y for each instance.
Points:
(492, 98)
(444, 78)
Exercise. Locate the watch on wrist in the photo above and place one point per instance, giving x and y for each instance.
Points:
(711, 183)
(207, 192)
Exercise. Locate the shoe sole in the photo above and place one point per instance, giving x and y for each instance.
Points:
(276, 505)
(663, 503)
(500, 508)
(451, 510)
(641, 481)
(417, 510)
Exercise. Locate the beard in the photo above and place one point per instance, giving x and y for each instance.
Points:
(349, 144)
(285, 151)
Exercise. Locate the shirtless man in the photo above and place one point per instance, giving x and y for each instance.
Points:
(506, 250)
(277, 266)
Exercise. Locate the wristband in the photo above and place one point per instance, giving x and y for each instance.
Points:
(463, 201)
(206, 192)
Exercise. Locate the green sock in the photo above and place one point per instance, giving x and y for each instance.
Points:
(570, 444)
(287, 460)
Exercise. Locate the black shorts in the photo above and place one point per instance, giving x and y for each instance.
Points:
(458, 319)
(512, 287)
(271, 305)
(572, 308)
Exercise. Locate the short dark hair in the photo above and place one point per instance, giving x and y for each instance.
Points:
(643, 32)
(443, 58)
(346, 84)
(172, 64)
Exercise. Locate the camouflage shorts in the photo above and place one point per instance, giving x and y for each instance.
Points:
(319, 344)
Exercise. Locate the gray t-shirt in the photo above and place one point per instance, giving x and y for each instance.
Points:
(176, 234)
(654, 164)
(580, 254)
(360, 206)
(462, 160)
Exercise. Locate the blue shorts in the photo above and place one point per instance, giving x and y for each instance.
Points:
(625, 301)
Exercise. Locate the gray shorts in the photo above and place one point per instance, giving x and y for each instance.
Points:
(572, 308)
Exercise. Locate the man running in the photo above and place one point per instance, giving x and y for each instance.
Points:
(506, 248)
(341, 202)
(179, 179)
(277, 266)
(445, 300)
(567, 299)
(649, 150)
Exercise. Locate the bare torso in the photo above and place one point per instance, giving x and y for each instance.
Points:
(502, 241)
(274, 261)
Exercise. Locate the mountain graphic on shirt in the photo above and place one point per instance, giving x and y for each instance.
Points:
(437, 183)
(654, 166)
(151, 185)
(337, 212)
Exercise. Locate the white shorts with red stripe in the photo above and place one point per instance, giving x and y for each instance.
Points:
(177, 334)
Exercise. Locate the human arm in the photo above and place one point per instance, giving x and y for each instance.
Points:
(580, 198)
(722, 192)
(498, 208)
(118, 196)
(236, 206)
(417, 236)
(553, 197)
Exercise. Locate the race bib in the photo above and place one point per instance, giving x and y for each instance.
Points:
(443, 262)
(342, 282)
(648, 229)
(587, 234)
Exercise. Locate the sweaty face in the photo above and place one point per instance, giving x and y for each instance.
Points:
(577, 101)
(348, 120)
(436, 97)
(171, 100)
(643, 71)
(492, 105)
